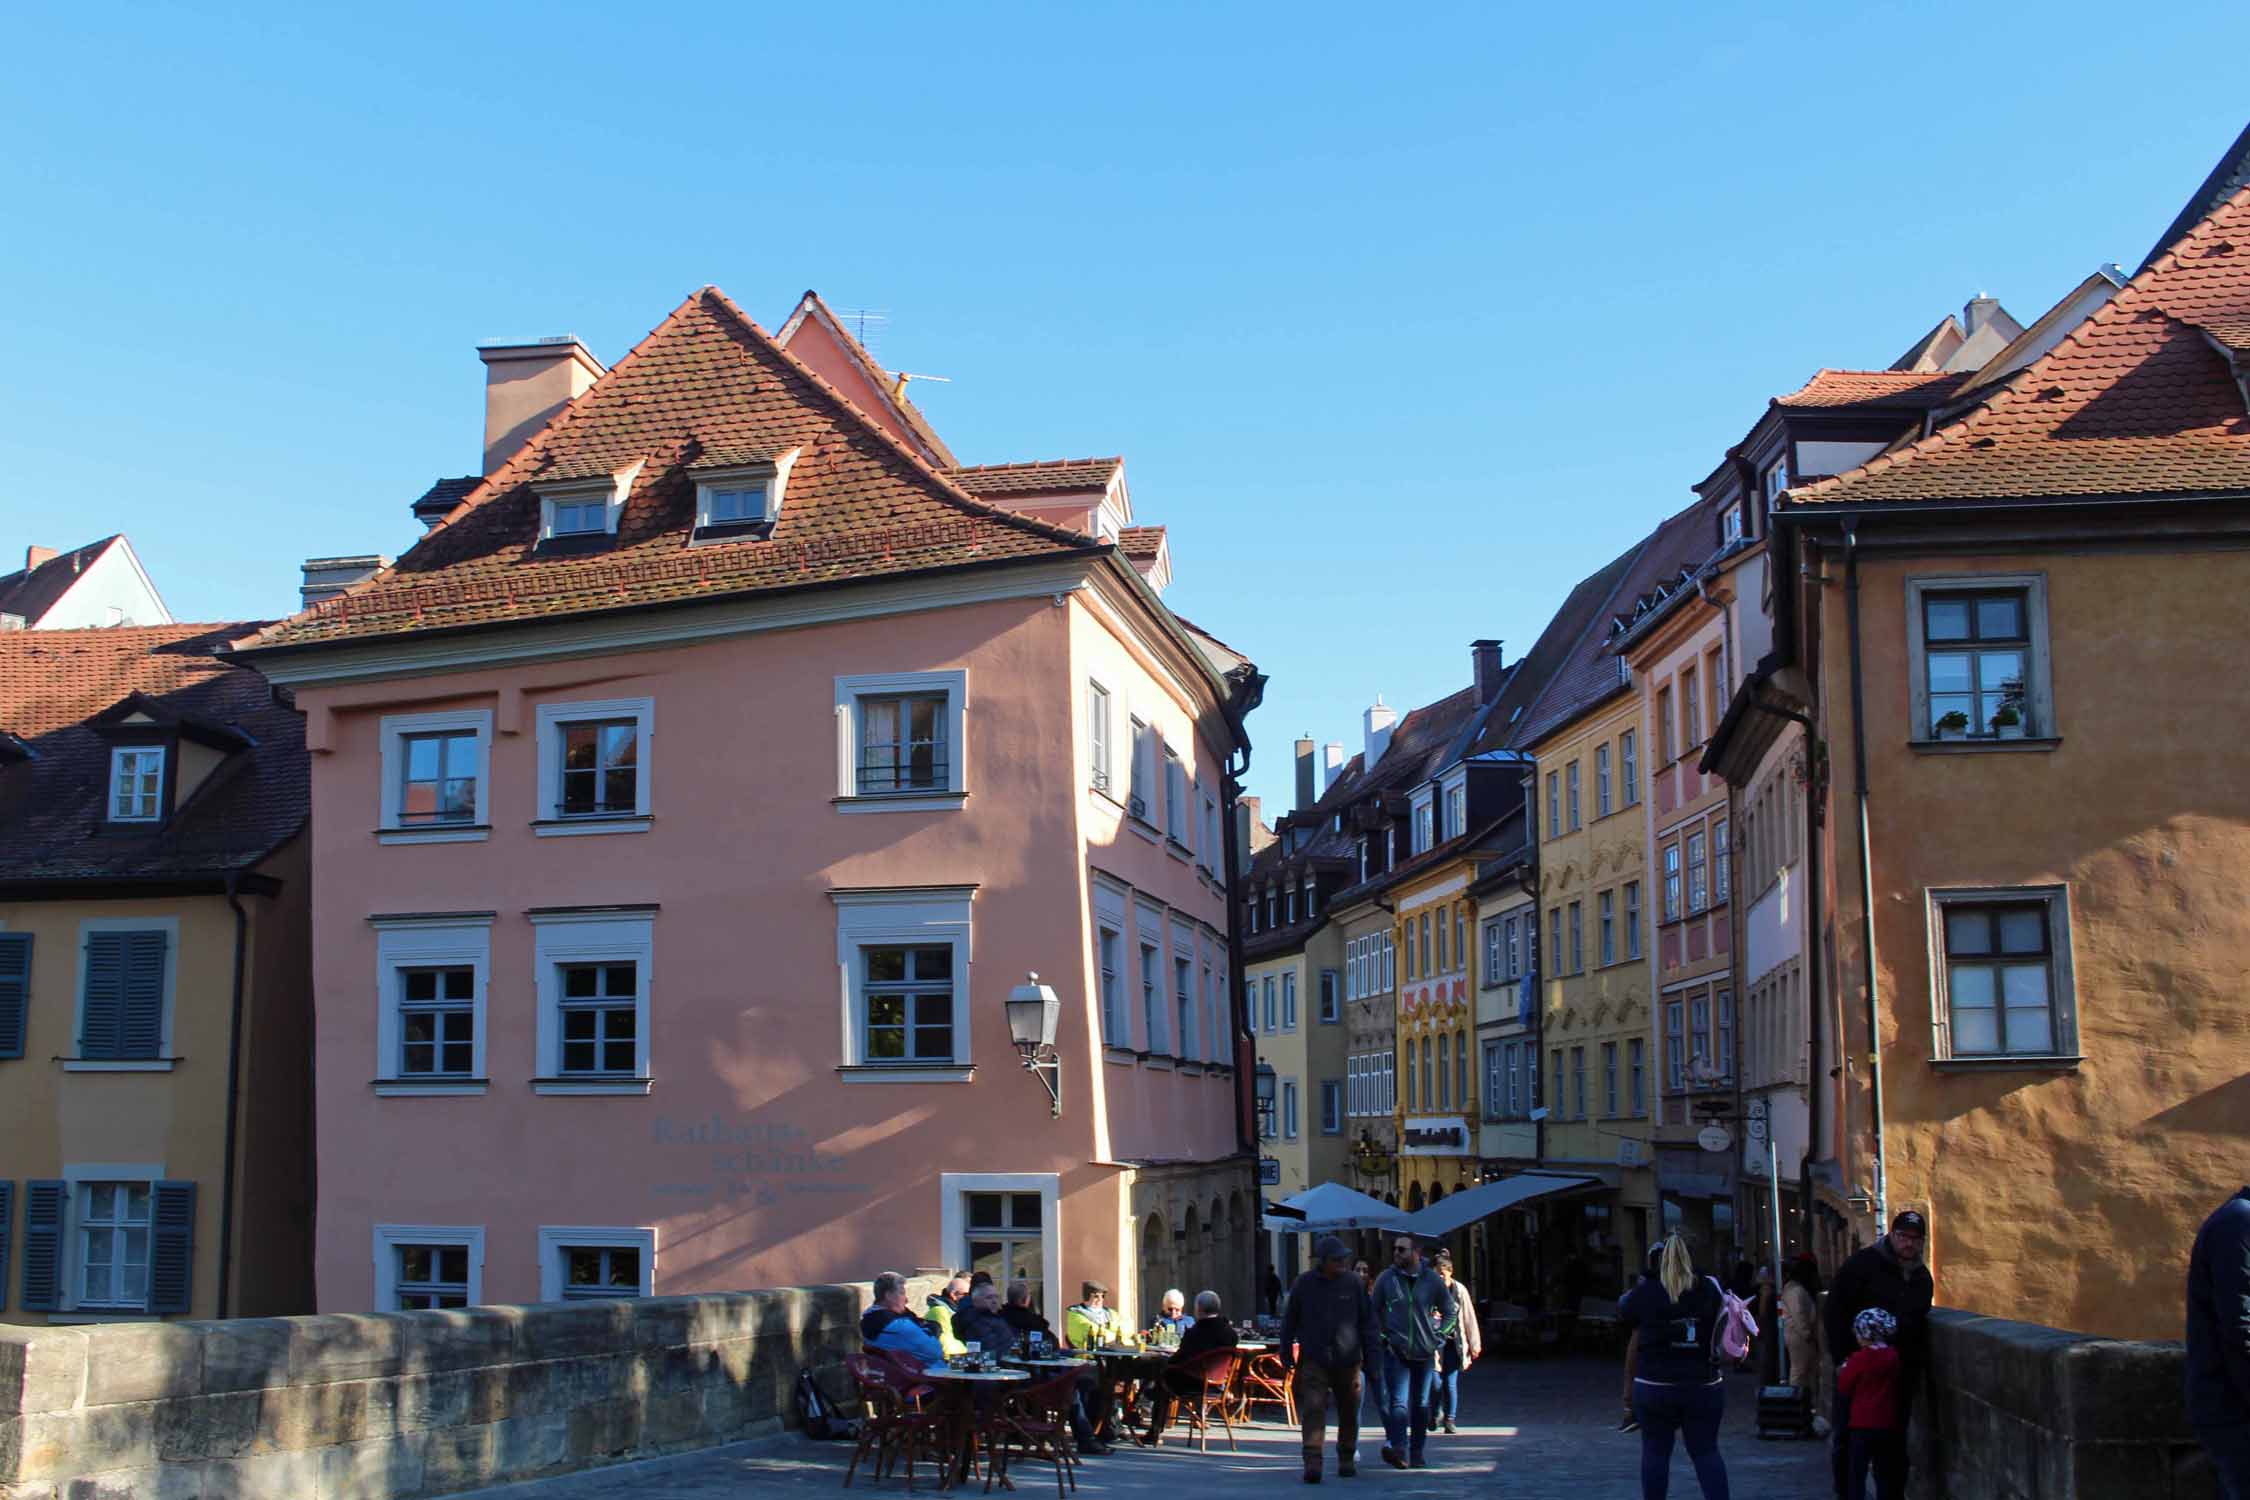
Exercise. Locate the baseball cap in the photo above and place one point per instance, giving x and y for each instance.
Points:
(1910, 1219)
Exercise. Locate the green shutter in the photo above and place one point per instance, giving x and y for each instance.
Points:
(102, 1010)
(15, 1003)
(42, 1245)
(7, 1221)
(171, 1256)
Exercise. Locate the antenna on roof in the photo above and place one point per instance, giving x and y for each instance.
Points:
(861, 320)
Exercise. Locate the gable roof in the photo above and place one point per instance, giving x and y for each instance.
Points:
(890, 390)
(860, 504)
(1051, 476)
(31, 592)
(2133, 401)
(57, 687)
(2229, 177)
(1909, 389)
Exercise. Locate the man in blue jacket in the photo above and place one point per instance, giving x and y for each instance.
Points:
(2218, 1342)
(888, 1325)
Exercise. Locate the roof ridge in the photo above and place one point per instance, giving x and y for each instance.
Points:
(2011, 392)
(1044, 463)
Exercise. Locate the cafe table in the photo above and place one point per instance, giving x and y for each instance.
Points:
(1126, 1370)
(957, 1395)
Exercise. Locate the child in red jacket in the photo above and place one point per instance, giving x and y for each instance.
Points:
(1869, 1380)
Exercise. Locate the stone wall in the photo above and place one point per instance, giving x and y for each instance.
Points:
(2016, 1411)
(390, 1406)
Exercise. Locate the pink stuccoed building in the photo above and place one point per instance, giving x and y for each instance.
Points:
(688, 801)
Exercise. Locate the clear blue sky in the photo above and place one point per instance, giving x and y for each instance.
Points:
(1404, 317)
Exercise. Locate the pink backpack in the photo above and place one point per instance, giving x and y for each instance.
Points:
(1737, 1327)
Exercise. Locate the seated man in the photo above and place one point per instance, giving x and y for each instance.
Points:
(1209, 1332)
(943, 1304)
(1171, 1318)
(889, 1326)
(1090, 1410)
(981, 1324)
(1092, 1322)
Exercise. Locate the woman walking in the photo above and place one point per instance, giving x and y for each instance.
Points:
(1803, 1336)
(1462, 1350)
(1678, 1390)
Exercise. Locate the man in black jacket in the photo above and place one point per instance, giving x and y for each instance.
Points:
(1888, 1274)
(1209, 1333)
(1327, 1335)
(2218, 1342)
(1089, 1409)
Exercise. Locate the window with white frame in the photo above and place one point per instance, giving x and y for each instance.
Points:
(1422, 830)
(1571, 791)
(420, 1266)
(1554, 803)
(594, 971)
(1776, 479)
(436, 776)
(734, 499)
(901, 740)
(1628, 769)
(1723, 1034)
(1290, 905)
(1980, 654)
(1607, 903)
(1273, 1011)
(1109, 963)
(1456, 812)
(1632, 919)
(584, 1263)
(1289, 1000)
(1331, 1107)
(1722, 863)
(903, 957)
(1099, 737)
(1697, 892)
(1699, 1039)
(1152, 999)
(1289, 1110)
(1671, 882)
(1730, 525)
(1494, 969)
(595, 764)
(1601, 781)
(1331, 1008)
(136, 784)
(114, 1230)
(2004, 984)
(1636, 1055)
(1675, 1045)
(1215, 1042)
(430, 976)
(588, 507)
(1175, 798)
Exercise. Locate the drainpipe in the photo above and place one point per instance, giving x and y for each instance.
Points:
(1230, 842)
(1866, 881)
(234, 1096)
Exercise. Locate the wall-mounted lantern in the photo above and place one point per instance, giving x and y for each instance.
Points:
(1263, 1089)
(1033, 1013)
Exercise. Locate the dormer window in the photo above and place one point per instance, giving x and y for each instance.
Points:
(1777, 478)
(578, 510)
(136, 784)
(738, 494)
(1730, 525)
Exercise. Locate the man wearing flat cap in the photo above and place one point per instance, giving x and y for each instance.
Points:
(1889, 1274)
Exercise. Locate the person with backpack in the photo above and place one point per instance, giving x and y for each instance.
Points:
(1679, 1392)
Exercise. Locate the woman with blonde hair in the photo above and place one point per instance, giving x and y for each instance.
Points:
(1678, 1390)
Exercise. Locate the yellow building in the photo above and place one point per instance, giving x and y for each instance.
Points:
(154, 981)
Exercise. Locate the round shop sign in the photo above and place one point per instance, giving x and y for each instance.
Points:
(1714, 1138)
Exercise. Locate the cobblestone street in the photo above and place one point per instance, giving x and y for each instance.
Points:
(1545, 1428)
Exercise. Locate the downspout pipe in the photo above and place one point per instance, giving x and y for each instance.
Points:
(1245, 1056)
(1881, 1164)
(234, 1096)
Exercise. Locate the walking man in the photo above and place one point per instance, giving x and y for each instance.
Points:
(1415, 1308)
(2218, 1342)
(1327, 1333)
(1888, 1274)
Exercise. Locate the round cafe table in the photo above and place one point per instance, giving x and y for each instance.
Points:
(1126, 1371)
(957, 1393)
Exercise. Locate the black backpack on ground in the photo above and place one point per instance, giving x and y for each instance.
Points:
(818, 1416)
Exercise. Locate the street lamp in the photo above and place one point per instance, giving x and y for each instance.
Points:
(1263, 1088)
(1033, 1012)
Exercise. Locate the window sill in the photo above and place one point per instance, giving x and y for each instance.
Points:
(1178, 850)
(1144, 828)
(1156, 1060)
(890, 1073)
(555, 828)
(1103, 792)
(1190, 1067)
(118, 1065)
(885, 802)
(433, 1088)
(457, 833)
(2028, 743)
(1124, 1057)
(591, 1086)
(2025, 1062)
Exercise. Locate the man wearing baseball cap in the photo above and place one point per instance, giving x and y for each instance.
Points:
(1888, 1274)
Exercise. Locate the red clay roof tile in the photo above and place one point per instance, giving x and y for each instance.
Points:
(1052, 476)
(1885, 388)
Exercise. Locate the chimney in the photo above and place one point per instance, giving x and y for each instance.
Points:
(1484, 658)
(326, 577)
(34, 556)
(525, 385)
(1248, 816)
(1978, 313)
(1305, 797)
(1378, 721)
(1333, 755)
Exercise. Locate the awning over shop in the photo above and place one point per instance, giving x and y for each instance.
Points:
(1330, 1207)
(1693, 1185)
(1452, 1212)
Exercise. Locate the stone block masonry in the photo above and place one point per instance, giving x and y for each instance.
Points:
(396, 1405)
(2016, 1411)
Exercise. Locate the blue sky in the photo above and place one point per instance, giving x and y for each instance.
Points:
(1403, 317)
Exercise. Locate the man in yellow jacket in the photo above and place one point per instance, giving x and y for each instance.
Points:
(1092, 1322)
(941, 1308)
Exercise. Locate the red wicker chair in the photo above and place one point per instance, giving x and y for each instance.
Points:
(1215, 1393)
(1266, 1383)
(1035, 1425)
(893, 1427)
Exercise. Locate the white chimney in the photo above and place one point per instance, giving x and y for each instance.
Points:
(1333, 754)
(525, 385)
(1378, 721)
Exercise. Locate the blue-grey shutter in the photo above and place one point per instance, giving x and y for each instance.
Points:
(42, 1245)
(124, 1003)
(103, 1006)
(171, 1253)
(7, 1222)
(15, 1003)
(142, 1032)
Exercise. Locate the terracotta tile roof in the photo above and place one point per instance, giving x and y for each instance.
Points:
(31, 592)
(2133, 401)
(53, 681)
(2232, 332)
(894, 393)
(2227, 178)
(860, 504)
(440, 498)
(1141, 541)
(1883, 388)
(1053, 476)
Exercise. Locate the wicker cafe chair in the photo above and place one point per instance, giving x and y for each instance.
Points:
(1215, 1373)
(892, 1427)
(1266, 1383)
(1034, 1424)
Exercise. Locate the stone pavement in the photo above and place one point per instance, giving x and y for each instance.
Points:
(1536, 1428)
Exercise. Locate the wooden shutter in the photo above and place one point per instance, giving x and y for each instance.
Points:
(171, 1255)
(102, 1011)
(15, 1011)
(124, 1003)
(7, 1221)
(42, 1245)
(142, 1033)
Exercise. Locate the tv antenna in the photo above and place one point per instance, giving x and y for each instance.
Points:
(863, 321)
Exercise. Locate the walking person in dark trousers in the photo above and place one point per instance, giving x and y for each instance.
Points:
(1875, 1438)
(1416, 1310)
(2218, 1343)
(1678, 1390)
(1888, 1274)
(1462, 1350)
(1328, 1332)
(1271, 1290)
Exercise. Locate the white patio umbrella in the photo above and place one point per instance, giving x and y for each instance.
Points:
(1331, 1207)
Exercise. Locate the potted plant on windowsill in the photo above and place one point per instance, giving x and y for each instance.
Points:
(2007, 724)
(1953, 726)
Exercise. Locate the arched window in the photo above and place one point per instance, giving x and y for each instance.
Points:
(1414, 1198)
(1444, 1083)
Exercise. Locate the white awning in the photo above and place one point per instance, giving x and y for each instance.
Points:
(1451, 1212)
(1332, 1206)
